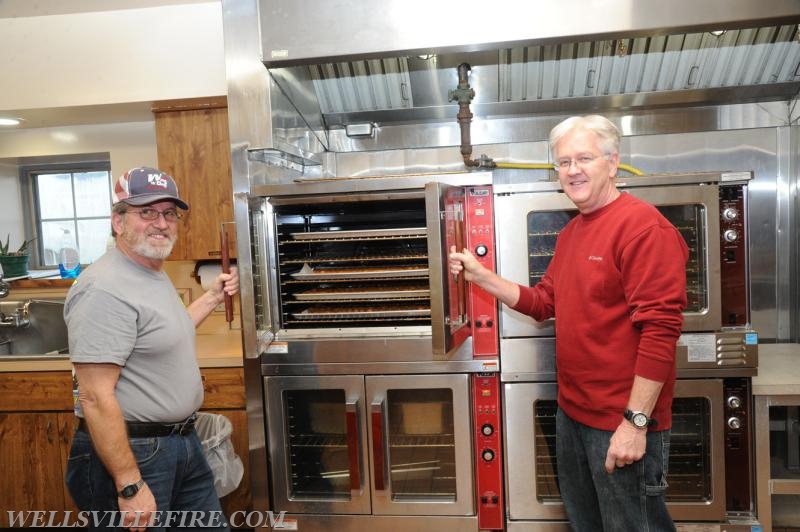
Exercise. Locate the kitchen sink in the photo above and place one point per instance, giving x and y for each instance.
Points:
(32, 327)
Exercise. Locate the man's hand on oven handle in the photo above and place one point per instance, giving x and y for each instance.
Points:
(475, 272)
(627, 446)
(465, 262)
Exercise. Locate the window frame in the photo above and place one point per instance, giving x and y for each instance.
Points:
(32, 205)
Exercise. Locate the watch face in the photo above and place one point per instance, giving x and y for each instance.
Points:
(639, 419)
(130, 490)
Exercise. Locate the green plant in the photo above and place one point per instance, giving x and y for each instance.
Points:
(22, 250)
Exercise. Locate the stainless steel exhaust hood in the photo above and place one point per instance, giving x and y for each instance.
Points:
(393, 61)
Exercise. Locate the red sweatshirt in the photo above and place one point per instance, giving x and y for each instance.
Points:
(617, 288)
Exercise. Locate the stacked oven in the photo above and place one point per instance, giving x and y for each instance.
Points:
(711, 469)
(381, 397)
(394, 392)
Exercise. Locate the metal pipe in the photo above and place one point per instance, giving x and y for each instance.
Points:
(464, 95)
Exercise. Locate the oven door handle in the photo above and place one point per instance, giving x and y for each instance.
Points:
(378, 454)
(354, 460)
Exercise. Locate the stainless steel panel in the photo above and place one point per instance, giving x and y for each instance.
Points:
(732, 353)
(380, 523)
(386, 501)
(381, 28)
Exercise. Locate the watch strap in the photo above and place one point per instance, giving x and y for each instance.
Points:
(130, 490)
(628, 414)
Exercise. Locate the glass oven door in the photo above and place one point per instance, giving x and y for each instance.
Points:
(696, 479)
(316, 428)
(529, 223)
(421, 445)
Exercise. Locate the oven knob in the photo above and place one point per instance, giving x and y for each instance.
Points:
(734, 402)
(481, 250)
(730, 214)
(731, 235)
(487, 429)
(734, 423)
(487, 455)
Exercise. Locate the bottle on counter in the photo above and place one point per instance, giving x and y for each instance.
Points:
(69, 263)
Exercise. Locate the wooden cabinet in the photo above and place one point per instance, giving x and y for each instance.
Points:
(36, 424)
(193, 146)
(36, 427)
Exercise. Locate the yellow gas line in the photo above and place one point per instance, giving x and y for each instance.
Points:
(549, 166)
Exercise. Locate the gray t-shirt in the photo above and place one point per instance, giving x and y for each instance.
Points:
(122, 313)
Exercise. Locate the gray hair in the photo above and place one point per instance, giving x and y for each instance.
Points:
(119, 207)
(607, 133)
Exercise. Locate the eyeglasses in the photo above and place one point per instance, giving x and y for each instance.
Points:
(170, 215)
(581, 161)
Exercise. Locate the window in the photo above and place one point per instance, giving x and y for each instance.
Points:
(74, 198)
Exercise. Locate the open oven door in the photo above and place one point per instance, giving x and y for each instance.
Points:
(445, 214)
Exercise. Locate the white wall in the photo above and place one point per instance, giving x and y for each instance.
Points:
(106, 57)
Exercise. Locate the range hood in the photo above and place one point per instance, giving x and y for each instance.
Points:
(394, 61)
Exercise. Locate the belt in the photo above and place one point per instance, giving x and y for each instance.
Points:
(138, 429)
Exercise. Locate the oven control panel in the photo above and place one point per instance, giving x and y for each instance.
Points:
(733, 250)
(480, 241)
(488, 449)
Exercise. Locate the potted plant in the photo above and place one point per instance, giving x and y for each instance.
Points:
(14, 263)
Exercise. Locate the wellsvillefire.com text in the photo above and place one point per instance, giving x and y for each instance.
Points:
(176, 519)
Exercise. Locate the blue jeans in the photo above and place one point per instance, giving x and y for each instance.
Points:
(631, 499)
(175, 469)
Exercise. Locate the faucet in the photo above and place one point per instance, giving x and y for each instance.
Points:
(4, 287)
(16, 320)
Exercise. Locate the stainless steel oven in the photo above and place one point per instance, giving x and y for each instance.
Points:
(711, 430)
(717, 352)
(379, 370)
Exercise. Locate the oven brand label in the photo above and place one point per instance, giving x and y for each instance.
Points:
(699, 347)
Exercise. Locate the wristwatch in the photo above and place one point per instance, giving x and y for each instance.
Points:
(639, 419)
(127, 492)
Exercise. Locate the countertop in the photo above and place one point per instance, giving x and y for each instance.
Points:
(218, 350)
(778, 370)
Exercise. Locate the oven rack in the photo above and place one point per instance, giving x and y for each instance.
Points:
(359, 234)
(421, 440)
(320, 259)
(318, 440)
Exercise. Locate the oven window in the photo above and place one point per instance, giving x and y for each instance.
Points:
(544, 432)
(317, 454)
(543, 229)
(690, 473)
(689, 476)
(690, 221)
(422, 449)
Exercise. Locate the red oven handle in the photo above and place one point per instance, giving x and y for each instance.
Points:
(377, 446)
(351, 415)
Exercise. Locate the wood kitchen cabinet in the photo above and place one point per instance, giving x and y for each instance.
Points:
(36, 425)
(193, 146)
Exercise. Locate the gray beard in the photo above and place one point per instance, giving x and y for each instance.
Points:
(144, 249)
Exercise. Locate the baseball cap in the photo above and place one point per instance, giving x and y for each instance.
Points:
(144, 185)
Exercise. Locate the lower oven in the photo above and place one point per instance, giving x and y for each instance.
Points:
(710, 466)
(386, 447)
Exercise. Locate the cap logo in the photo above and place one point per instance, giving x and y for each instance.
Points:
(157, 180)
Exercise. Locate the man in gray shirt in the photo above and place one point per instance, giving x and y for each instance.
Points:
(132, 344)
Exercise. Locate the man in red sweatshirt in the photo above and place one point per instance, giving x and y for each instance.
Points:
(617, 288)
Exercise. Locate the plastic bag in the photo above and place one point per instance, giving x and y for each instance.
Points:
(214, 431)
